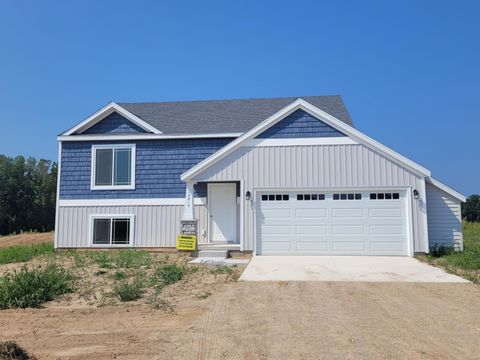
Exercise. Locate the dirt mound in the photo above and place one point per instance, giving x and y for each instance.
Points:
(26, 239)
(10, 350)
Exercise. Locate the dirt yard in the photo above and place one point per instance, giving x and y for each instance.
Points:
(26, 239)
(265, 321)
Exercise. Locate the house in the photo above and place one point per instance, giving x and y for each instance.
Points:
(271, 176)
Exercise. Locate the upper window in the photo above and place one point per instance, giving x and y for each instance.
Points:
(113, 167)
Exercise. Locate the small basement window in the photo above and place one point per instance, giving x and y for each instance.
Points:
(113, 167)
(112, 231)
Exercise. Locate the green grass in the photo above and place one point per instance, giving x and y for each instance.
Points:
(33, 287)
(132, 259)
(465, 263)
(22, 253)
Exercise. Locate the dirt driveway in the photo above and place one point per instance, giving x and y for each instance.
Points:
(296, 320)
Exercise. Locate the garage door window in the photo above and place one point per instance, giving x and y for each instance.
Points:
(276, 197)
(307, 197)
(356, 196)
(384, 196)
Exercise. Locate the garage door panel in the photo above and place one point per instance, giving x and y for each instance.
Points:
(312, 246)
(348, 229)
(389, 246)
(386, 229)
(321, 223)
(310, 213)
(311, 229)
(385, 213)
(349, 246)
(347, 213)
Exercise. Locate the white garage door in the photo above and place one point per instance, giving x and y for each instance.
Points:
(340, 223)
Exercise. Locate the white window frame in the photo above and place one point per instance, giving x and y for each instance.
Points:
(131, 217)
(131, 186)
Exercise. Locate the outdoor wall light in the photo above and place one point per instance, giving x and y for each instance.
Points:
(416, 194)
(248, 195)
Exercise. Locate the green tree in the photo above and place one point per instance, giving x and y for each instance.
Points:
(471, 208)
(27, 194)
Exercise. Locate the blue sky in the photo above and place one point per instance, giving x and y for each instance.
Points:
(409, 71)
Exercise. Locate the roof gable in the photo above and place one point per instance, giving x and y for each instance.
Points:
(103, 113)
(115, 124)
(299, 124)
(319, 114)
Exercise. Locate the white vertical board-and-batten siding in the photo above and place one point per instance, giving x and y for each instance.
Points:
(318, 167)
(444, 219)
(154, 225)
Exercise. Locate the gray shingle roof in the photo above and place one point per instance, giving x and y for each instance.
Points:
(224, 116)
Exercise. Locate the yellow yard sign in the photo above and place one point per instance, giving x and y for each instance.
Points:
(186, 242)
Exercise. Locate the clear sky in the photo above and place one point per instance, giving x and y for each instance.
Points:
(409, 71)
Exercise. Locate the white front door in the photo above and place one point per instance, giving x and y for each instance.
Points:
(222, 206)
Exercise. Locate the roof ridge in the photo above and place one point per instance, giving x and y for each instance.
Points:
(236, 99)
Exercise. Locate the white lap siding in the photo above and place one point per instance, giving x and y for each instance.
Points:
(444, 219)
(317, 167)
(155, 226)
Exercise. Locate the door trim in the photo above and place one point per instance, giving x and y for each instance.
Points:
(210, 217)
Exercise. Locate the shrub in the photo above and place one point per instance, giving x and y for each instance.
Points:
(129, 291)
(440, 251)
(23, 253)
(169, 274)
(10, 350)
(31, 288)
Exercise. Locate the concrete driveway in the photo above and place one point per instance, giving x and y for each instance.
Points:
(345, 268)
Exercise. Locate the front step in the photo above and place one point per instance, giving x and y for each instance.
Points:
(212, 254)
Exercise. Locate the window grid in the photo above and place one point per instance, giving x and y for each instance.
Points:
(275, 197)
(385, 196)
(347, 196)
(307, 197)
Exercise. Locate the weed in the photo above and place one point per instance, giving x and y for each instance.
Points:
(132, 259)
(129, 291)
(10, 350)
(22, 253)
(156, 302)
(222, 269)
(31, 288)
(169, 274)
(102, 258)
(119, 275)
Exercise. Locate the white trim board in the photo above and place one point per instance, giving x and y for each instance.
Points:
(340, 140)
(319, 114)
(103, 113)
(115, 137)
(446, 189)
(130, 202)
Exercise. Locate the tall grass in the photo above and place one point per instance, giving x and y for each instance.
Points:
(22, 253)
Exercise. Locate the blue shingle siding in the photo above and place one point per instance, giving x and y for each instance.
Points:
(114, 123)
(300, 124)
(159, 164)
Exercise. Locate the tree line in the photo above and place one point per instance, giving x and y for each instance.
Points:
(27, 194)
